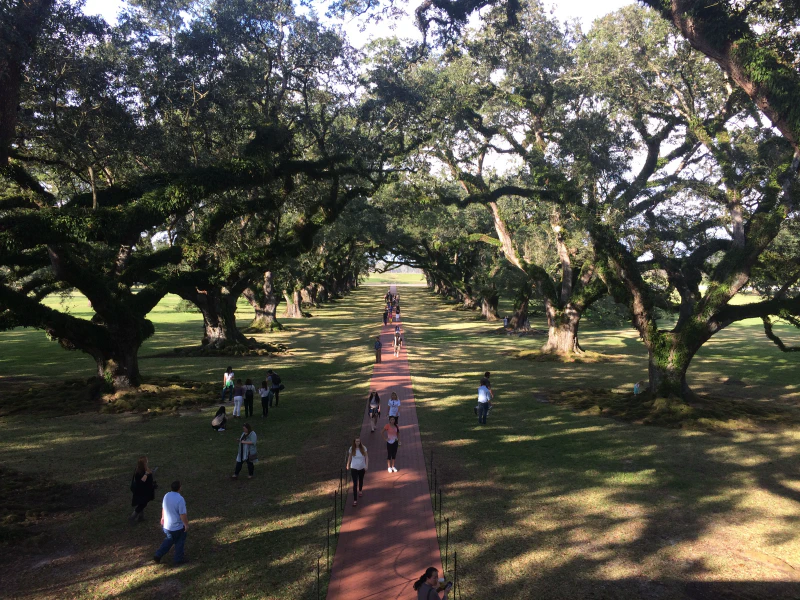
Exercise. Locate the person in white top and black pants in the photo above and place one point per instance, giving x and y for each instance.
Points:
(358, 463)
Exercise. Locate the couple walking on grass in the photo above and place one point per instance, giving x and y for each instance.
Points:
(357, 456)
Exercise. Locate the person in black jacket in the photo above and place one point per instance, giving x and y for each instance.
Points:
(143, 486)
(277, 386)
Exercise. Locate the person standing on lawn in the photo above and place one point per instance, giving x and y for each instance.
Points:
(266, 398)
(227, 383)
(249, 396)
(394, 407)
(358, 463)
(378, 347)
(484, 401)
(276, 386)
(248, 453)
(175, 524)
(374, 407)
(385, 317)
(238, 398)
(391, 433)
(143, 487)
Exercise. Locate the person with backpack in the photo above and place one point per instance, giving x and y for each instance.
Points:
(398, 342)
(277, 386)
(248, 453)
(143, 488)
(227, 383)
(378, 347)
(357, 463)
(374, 408)
(249, 396)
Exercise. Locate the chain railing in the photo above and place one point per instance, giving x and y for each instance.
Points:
(334, 521)
(442, 527)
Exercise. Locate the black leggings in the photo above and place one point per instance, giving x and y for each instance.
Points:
(140, 507)
(250, 468)
(392, 450)
(264, 406)
(248, 407)
(358, 480)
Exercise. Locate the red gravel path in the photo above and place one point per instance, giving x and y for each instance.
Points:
(389, 539)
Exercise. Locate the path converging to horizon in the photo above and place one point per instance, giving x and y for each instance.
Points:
(389, 539)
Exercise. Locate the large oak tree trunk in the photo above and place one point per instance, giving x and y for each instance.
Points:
(519, 319)
(562, 330)
(293, 308)
(669, 357)
(264, 305)
(219, 316)
(489, 307)
(119, 365)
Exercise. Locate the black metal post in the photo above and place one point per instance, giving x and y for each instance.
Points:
(455, 574)
(440, 509)
(328, 546)
(335, 514)
(446, 542)
(435, 485)
(341, 476)
(431, 471)
(318, 590)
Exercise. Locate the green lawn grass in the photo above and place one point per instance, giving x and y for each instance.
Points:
(548, 503)
(249, 539)
(544, 502)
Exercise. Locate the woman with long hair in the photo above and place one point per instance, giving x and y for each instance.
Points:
(391, 433)
(143, 487)
(374, 408)
(427, 586)
(358, 463)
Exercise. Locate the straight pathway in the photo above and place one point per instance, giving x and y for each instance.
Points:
(389, 539)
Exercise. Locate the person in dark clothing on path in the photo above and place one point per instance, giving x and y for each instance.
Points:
(385, 317)
(378, 347)
(143, 487)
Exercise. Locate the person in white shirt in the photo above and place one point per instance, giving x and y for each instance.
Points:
(394, 407)
(358, 463)
(174, 522)
(485, 396)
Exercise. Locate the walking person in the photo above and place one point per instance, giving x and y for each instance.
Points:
(249, 396)
(394, 407)
(238, 398)
(175, 524)
(227, 383)
(143, 487)
(266, 398)
(397, 314)
(374, 407)
(385, 318)
(391, 433)
(427, 586)
(358, 463)
(378, 347)
(276, 386)
(248, 453)
(397, 341)
(484, 401)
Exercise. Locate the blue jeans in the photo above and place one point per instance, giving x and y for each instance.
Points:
(483, 410)
(229, 390)
(173, 537)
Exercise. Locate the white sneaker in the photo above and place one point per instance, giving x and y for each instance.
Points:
(221, 429)
(389, 469)
(394, 469)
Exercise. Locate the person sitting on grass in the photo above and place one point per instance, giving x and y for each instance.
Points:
(220, 420)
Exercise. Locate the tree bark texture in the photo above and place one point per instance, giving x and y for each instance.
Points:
(489, 307)
(293, 307)
(562, 329)
(264, 305)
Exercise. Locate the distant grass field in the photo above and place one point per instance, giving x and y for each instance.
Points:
(399, 278)
(548, 503)
(544, 502)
